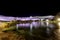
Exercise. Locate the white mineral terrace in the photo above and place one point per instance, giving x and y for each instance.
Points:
(32, 24)
(6, 18)
(28, 24)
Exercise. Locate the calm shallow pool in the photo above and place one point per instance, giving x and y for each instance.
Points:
(33, 31)
(40, 31)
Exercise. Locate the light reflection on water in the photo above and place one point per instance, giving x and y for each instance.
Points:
(49, 30)
(57, 31)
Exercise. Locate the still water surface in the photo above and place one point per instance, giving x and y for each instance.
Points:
(42, 30)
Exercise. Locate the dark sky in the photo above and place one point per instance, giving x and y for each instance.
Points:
(29, 8)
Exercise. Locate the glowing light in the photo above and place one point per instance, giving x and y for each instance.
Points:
(59, 24)
(47, 20)
(42, 19)
(58, 19)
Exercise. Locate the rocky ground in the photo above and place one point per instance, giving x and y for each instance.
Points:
(11, 35)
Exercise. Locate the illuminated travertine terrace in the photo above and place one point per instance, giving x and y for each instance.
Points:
(6, 18)
(27, 25)
(29, 22)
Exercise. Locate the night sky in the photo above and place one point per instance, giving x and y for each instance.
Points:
(29, 8)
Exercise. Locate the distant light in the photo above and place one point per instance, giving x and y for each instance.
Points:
(47, 19)
(30, 16)
(47, 22)
(42, 19)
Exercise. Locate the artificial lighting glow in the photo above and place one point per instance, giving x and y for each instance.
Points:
(58, 19)
(59, 24)
(42, 19)
(47, 20)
